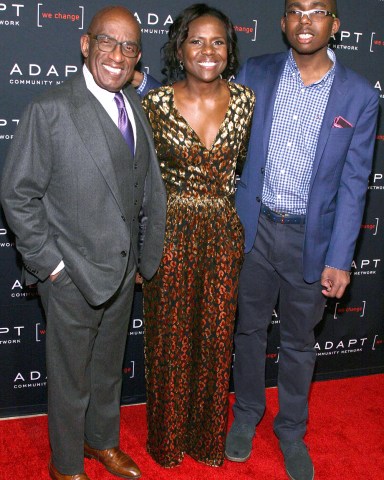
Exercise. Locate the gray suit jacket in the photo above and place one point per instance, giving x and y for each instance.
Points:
(60, 197)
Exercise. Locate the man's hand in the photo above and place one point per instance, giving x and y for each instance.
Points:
(53, 277)
(137, 78)
(57, 271)
(334, 282)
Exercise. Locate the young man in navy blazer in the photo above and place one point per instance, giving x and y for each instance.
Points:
(301, 200)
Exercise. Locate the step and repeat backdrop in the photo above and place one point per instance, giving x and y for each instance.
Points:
(40, 49)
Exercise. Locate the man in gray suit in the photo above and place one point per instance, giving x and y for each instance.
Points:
(72, 192)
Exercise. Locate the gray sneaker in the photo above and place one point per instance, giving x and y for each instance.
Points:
(238, 445)
(298, 463)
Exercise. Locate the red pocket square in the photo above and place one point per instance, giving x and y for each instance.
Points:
(340, 122)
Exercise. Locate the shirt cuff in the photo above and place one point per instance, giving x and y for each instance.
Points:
(58, 268)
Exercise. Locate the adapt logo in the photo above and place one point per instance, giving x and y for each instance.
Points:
(346, 40)
(365, 266)
(15, 335)
(10, 14)
(333, 347)
(6, 127)
(10, 336)
(376, 181)
(275, 318)
(347, 346)
(45, 15)
(153, 23)
(31, 379)
(18, 291)
(379, 87)
(137, 327)
(5, 243)
(35, 74)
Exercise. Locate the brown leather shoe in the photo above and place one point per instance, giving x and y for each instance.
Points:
(115, 461)
(56, 475)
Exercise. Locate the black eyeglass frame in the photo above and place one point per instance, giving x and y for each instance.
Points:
(103, 36)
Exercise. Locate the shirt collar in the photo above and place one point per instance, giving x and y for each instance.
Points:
(293, 69)
(98, 92)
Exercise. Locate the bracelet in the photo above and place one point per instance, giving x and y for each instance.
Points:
(335, 268)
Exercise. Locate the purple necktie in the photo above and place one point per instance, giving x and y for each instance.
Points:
(124, 124)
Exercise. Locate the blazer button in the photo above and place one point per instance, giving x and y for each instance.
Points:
(135, 202)
(122, 216)
(258, 199)
(136, 184)
(135, 166)
(123, 253)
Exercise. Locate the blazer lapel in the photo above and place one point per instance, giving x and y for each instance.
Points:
(135, 103)
(271, 83)
(336, 97)
(87, 121)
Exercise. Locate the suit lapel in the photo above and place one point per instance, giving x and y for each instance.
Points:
(87, 121)
(135, 103)
(336, 97)
(271, 84)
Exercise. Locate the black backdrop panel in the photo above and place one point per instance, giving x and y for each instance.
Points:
(40, 49)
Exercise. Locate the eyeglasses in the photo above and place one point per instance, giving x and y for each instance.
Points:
(313, 15)
(108, 44)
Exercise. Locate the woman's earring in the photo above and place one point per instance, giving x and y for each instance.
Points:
(181, 64)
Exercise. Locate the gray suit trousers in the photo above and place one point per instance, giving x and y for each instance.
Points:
(272, 272)
(84, 351)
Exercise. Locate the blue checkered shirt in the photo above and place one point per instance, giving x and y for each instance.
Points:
(297, 117)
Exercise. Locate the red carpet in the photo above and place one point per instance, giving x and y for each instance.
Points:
(345, 436)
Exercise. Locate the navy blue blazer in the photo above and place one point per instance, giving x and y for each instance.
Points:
(341, 166)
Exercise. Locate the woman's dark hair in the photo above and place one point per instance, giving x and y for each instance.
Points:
(178, 32)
